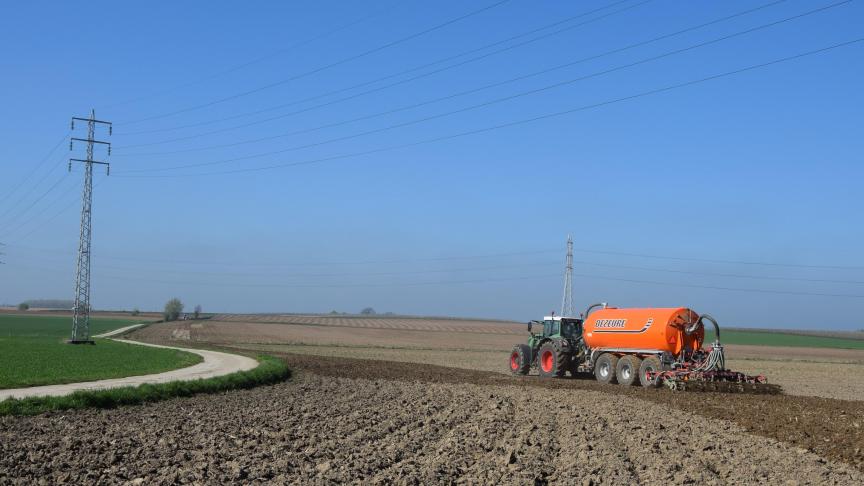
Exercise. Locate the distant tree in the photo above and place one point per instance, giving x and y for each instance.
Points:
(333, 312)
(197, 311)
(173, 308)
(23, 306)
(135, 311)
(368, 311)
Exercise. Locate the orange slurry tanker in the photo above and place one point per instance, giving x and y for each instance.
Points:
(651, 347)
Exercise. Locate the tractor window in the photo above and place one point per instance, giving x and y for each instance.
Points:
(550, 328)
(572, 328)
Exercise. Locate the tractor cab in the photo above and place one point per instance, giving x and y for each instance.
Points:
(557, 326)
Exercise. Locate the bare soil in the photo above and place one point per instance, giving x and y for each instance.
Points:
(342, 420)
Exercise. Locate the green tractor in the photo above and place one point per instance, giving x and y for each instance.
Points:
(559, 348)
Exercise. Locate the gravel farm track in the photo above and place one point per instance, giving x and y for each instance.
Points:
(344, 419)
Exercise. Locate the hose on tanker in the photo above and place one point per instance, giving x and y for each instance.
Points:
(693, 327)
(592, 306)
(716, 360)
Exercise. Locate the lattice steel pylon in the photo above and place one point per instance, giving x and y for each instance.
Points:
(567, 299)
(81, 309)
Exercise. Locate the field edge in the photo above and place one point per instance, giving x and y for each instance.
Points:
(270, 370)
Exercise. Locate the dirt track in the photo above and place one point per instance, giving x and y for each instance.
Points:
(370, 422)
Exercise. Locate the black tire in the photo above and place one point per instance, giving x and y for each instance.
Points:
(520, 359)
(604, 368)
(651, 363)
(552, 361)
(627, 370)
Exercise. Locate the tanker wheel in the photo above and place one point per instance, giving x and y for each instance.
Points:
(520, 359)
(649, 364)
(627, 370)
(604, 368)
(551, 361)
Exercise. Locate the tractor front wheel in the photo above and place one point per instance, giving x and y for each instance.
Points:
(520, 359)
(551, 361)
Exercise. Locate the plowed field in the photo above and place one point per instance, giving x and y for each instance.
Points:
(341, 420)
(429, 404)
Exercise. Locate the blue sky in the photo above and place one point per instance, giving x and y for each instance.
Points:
(739, 196)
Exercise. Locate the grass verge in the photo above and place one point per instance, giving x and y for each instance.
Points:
(270, 370)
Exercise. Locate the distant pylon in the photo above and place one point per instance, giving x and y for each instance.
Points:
(81, 309)
(567, 300)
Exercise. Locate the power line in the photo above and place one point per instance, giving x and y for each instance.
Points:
(492, 256)
(246, 64)
(56, 215)
(483, 280)
(264, 285)
(36, 201)
(327, 275)
(387, 86)
(714, 287)
(728, 262)
(322, 68)
(10, 229)
(35, 169)
(569, 265)
(729, 275)
(417, 68)
(475, 90)
(485, 129)
(24, 197)
(315, 264)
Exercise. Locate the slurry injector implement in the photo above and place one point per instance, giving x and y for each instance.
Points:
(651, 347)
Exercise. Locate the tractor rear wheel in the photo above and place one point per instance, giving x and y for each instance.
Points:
(604, 368)
(551, 361)
(650, 364)
(520, 359)
(627, 371)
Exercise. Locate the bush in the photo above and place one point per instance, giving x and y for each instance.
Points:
(173, 308)
(368, 311)
(135, 311)
(197, 311)
(23, 306)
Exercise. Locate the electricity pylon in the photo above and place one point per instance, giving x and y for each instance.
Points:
(81, 309)
(567, 300)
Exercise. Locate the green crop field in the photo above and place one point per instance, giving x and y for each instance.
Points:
(779, 338)
(33, 352)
